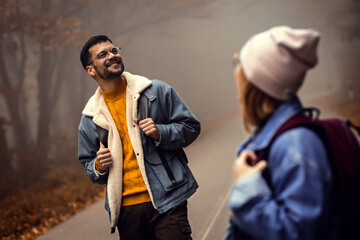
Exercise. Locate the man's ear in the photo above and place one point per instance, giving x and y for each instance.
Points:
(90, 70)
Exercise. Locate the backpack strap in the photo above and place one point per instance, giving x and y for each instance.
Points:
(143, 112)
(103, 135)
(304, 118)
(143, 109)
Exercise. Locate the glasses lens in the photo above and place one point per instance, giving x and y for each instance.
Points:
(102, 54)
(115, 50)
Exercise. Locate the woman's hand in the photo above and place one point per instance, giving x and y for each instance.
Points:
(246, 164)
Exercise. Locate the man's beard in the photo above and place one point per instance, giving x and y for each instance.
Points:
(111, 74)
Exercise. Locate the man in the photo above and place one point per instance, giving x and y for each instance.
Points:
(141, 161)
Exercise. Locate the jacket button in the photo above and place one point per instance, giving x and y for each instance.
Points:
(137, 154)
(134, 126)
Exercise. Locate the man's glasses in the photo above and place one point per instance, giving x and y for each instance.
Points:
(103, 54)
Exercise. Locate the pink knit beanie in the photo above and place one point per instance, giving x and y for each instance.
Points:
(276, 60)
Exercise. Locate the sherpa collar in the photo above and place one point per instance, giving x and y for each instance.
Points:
(135, 83)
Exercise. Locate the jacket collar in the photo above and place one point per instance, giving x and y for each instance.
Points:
(261, 138)
(135, 85)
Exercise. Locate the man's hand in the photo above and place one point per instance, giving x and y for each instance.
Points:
(243, 165)
(103, 158)
(149, 128)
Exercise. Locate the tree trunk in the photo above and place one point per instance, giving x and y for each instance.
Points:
(44, 78)
(13, 99)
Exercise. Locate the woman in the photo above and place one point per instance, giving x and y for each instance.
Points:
(288, 194)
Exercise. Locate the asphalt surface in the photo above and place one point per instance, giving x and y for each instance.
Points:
(210, 159)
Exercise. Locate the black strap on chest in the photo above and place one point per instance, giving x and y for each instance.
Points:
(143, 112)
(103, 135)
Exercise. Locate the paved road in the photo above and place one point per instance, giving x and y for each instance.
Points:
(211, 158)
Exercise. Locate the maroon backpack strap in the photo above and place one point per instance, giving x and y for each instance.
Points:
(307, 118)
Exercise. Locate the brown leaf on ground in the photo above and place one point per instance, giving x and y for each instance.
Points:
(27, 213)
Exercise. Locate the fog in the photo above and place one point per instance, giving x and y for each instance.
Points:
(186, 43)
(193, 53)
(189, 45)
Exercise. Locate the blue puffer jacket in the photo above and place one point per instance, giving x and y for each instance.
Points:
(178, 128)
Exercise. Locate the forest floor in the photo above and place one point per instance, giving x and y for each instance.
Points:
(28, 212)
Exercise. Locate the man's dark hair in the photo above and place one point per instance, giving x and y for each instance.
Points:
(85, 55)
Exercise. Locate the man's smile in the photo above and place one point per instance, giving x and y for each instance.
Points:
(112, 62)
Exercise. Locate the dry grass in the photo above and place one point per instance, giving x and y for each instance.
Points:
(30, 211)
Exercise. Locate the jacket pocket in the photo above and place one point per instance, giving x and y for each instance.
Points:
(175, 164)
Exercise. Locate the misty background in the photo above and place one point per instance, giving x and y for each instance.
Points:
(187, 43)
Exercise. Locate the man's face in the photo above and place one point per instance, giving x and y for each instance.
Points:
(107, 65)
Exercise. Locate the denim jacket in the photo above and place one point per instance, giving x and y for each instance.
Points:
(296, 199)
(178, 128)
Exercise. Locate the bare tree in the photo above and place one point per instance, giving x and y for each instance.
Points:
(43, 37)
(32, 33)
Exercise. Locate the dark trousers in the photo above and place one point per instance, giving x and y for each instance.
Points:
(143, 222)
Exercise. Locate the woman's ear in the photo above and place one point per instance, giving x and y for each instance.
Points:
(90, 70)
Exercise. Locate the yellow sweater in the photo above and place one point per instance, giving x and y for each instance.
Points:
(134, 189)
